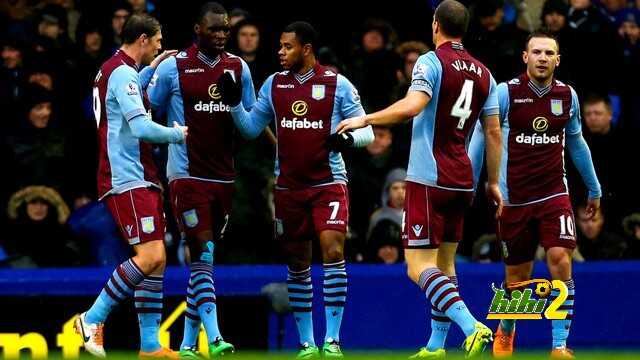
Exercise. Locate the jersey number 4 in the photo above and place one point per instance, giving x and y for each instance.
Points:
(462, 108)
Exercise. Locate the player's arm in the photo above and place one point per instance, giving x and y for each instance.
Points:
(249, 123)
(425, 74)
(493, 143)
(124, 86)
(581, 156)
(163, 83)
(348, 100)
(476, 152)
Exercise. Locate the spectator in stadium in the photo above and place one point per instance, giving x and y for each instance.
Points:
(142, 6)
(385, 225)
(368, 168)
(38, 234)
(629, 30)
(605, 139)
(12, 76)
(17, 24)
(631, 225)
(554, 19)
(236, 15)
(374, 65)
(409, 52)
(495, 43)
(37, 146)
(121, 12)
(594, 242)
(613, 7)
(248, 45)
(591, 28)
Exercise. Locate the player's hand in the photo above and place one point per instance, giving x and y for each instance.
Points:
(493, 193)
(184, 129)
(165, 54)
(351, 124)
(339, 142)
(593, 205)
(229, 90)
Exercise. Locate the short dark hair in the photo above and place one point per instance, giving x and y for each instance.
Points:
(593, 99)
(137, 25)
(453, 18)
(210, 7)
(305, 33)
(541, 33)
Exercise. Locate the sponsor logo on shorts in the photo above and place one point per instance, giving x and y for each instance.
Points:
(190, 218)
(526, 303)
(147, 225)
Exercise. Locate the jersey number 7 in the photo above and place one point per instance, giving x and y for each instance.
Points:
(462, 108)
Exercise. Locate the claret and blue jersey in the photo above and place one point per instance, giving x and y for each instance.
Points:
(442, 129)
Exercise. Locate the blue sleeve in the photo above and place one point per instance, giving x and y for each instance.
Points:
(502, 92)
(426, 72)
(248, 91)
(476, 152)
(250, 124)
(574, 126)
(145, 76)
(162, 84)
(124, 86)
(579, 150)
(350, 106)
(144, 128)
(491, 106)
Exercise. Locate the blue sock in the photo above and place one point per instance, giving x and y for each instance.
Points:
(507, 325)
(119, 287)
(444, 296)
(205, 297)
(301, 302)
(148, 301)
(440, 325)
(560, 328)
(191, 320)
(335, 296)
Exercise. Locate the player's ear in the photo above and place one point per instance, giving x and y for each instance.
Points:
(525, 56)
(558, 60)
(196, 28)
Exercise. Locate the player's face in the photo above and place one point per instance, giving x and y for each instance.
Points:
(541, 58)
(291, 53)
(150, 47)
(213, 32)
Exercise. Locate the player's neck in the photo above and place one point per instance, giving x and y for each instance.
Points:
(133, 52)
(441, 40)
(307, 66)
(540, 83)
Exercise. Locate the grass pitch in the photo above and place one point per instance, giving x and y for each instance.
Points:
(395, 355)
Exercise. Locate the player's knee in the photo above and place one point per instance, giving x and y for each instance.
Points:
(559, 260)
(333, 254)
(155, 260)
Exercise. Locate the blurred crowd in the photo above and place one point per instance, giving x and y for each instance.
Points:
(52, 50)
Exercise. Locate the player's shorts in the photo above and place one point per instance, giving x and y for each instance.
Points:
(139, 214)
(302, 214)
(433, 215)
(200, 205)
(549, 223)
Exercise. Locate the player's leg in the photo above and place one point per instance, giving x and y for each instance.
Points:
(134, 227)
(294, 231)
(518, 238)
(422, 235)
(330, 216)
(557, 236)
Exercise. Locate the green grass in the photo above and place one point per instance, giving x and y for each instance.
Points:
(380, 355)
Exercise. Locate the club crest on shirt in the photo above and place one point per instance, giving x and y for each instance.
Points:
(190, 218)
(317, 92)
(147, 225)
(556, 107)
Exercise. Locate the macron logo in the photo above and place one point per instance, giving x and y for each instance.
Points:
(417, 229)
(129, 229)
(285, 86)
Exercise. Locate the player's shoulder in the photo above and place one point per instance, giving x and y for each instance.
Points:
(232, 58)
(123, 72)
(429, 57)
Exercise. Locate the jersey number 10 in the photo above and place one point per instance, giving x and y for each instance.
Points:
(462, 108)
